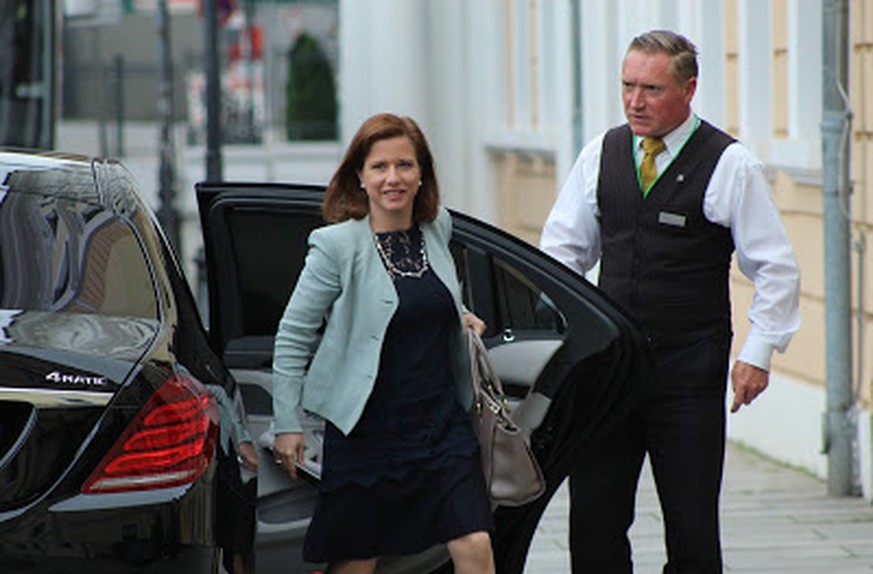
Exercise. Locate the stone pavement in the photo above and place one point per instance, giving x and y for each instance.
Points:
(774, 519)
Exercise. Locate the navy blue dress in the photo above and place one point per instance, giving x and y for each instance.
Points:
(408, 476)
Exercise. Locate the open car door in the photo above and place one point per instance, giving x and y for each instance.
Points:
(569, 358)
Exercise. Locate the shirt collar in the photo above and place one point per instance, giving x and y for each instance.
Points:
(677, 138)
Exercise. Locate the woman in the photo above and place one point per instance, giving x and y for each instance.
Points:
(391, 374)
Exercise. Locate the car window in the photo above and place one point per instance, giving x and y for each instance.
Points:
(58, 254)
(521, 305)
(516, 303)
(265, 282)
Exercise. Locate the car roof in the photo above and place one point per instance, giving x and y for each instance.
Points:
(56, 174)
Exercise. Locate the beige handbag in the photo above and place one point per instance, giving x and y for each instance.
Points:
(511, 471)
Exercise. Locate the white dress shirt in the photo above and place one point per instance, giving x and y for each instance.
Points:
(737, 197)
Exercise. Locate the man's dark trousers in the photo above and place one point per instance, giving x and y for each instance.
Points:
(681, 425)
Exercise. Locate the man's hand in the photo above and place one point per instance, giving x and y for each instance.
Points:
(288, 450)
(748, 382)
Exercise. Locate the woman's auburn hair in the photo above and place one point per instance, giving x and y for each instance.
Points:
(344, 199)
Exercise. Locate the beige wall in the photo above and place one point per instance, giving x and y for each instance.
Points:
(527, 183)
(801, 207)
(861, 95)
(528, 186)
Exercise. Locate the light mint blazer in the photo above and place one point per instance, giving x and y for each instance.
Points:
(345, 283)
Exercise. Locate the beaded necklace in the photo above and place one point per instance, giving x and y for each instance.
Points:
(417, 268)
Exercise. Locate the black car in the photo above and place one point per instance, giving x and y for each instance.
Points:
(108, 428)
(119, 410)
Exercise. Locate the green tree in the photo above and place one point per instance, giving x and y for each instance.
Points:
(311, 108)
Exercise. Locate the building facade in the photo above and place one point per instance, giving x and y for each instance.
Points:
(509, 91)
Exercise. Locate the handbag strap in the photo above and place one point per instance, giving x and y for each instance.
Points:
(483, 371)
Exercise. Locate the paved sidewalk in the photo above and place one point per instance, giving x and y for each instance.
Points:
(774, 519)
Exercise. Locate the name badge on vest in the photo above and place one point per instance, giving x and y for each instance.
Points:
(673, 219)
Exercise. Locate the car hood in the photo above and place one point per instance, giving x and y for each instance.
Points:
(58, 373)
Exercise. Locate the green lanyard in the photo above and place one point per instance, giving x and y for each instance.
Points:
(637, 158)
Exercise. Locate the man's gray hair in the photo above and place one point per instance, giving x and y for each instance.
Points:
(681, 50)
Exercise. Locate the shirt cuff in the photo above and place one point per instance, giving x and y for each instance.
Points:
(756, 351)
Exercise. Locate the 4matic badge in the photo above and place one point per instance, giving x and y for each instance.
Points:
(72, 379)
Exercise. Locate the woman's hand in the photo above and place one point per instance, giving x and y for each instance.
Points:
(288, 451)
(471, 321)
(248, 455)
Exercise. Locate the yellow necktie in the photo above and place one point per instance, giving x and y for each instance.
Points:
(648, 171)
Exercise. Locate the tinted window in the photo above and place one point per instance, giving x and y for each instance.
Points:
(521, 304)
(265, 282)
(61, 255)
(515, 301)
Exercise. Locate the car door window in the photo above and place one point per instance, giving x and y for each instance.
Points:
(266, 282)
(523, 305)
(513, 303)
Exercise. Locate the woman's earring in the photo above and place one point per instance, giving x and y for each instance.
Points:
(363, 186)
(419, 183)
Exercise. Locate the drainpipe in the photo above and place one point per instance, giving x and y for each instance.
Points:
(835, 130)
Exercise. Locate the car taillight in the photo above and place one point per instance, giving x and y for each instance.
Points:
(170, 442)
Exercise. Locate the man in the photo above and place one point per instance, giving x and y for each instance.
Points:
(664, 231)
